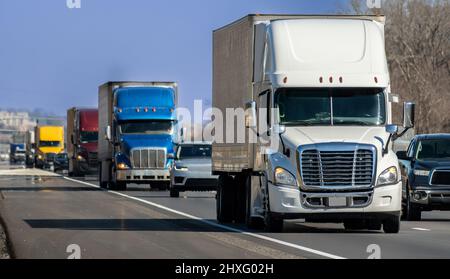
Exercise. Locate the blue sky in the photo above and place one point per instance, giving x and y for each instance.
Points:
(52, 57)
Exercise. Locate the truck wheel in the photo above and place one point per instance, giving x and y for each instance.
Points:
(374, 225)
(174, 193)
(103, 184)
(251, 222)
(118, 186)
(224, 199)
(271, 222)
(391, 224)
(412, 212)
(240, 198)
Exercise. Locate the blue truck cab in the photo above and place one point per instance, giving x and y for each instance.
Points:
(137, 133)
(16, 153)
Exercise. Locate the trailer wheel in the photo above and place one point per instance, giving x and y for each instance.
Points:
(224, 199)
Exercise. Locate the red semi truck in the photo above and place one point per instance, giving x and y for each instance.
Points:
(82, 138)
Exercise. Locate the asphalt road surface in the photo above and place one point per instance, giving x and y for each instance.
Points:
(51, 216)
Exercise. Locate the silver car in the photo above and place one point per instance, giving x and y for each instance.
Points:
(192, 169)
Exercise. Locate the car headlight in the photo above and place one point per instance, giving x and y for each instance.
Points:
(388, 176)
(181, 168)
(422, 172)
(284, 177)
(81, 158)
(122, 166)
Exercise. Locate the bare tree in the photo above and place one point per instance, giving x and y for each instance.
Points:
(418, 51)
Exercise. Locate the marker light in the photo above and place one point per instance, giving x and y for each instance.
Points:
(285, 80)
(321, 79)
(146, 109)
(138, 110)
(331, 79)
(341, 79)
(154, 109)
(376, 80)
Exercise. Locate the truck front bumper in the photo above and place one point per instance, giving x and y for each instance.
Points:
(291, 202)
(431, 198)
(143, 175)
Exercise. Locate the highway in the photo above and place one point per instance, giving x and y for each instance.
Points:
(46, 213)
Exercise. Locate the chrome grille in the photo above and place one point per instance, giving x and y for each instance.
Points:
(337, 168)
(148, 158)
(441, 177)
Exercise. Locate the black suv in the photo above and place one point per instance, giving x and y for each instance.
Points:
(425, 168)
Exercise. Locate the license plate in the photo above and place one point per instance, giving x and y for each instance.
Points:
(337, 201)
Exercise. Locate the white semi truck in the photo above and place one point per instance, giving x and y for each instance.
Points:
(321, 86)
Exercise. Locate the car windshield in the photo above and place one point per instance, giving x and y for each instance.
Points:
(333, 106)
(146, 127)
(195, 151)
(62, 156)
(44, 143)
(86, 137)
(436, 149)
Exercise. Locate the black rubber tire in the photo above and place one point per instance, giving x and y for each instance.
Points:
(174, 193)
(103, 184)
(240, 199)
(271, 222)
(251, 222)
(225, 199)
(391, 224)
(412, 213)
(374, 225)
(116, 185)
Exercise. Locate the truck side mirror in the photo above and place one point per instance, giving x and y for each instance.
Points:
(278, 129)
(391, 129)
(108, 133)
(401, 155)
(409, 109)
(250, 115)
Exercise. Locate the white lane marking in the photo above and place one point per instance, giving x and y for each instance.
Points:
(421, 229)
(266, 238)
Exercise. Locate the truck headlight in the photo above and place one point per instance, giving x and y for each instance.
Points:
(122, 166)
(81, 158)
(40, 157)
(388, 176)
(422, 172)
(284, 177)
(181, 168)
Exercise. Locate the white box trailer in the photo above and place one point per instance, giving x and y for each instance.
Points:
(321, 86)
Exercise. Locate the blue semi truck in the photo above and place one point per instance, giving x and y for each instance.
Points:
(137, 133)
(16, 153)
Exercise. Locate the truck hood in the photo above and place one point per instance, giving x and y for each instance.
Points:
(429, 165)
(296, 136)
(196, 164)
(46, 150)
(141, 141)
(89, 147)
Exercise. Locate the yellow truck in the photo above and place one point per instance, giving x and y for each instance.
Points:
(49, 141)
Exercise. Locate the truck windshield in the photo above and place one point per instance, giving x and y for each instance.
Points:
(331, 106)
(86, 137)
(435, 149)
(146, 127)
(195, 151)
(44, 143)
